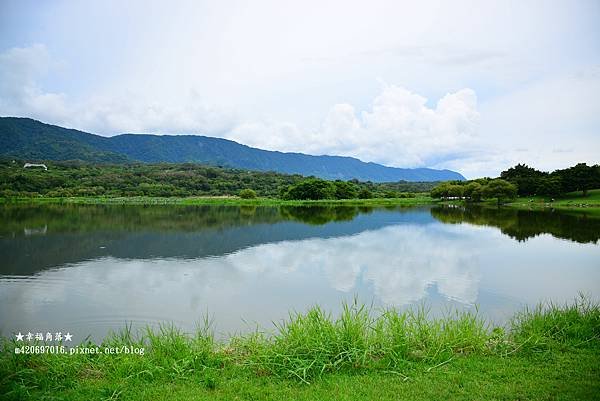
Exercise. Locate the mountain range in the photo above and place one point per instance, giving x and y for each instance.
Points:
(32, 140)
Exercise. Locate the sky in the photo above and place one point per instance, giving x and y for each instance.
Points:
(472, 86)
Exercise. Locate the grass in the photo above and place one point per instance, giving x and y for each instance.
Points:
(546, 353)
(419, 199)
(570, 201)
(574, 201)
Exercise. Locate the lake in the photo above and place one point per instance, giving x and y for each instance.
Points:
(91, 269)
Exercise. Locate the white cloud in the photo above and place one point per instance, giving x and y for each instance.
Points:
(399, 130)
(551, 123)
(187, 115)
(273, 135)
(21, 70)
(535, 123)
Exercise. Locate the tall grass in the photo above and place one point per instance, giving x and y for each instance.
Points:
(169, 354)
(311, 344)
(304, 347)
(548, 326)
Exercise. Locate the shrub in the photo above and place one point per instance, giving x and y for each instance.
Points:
(365, 194)
(499, 189)
(313, 189)
(345, 190)
(247, 194)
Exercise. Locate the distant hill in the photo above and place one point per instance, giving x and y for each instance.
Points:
(29, 139)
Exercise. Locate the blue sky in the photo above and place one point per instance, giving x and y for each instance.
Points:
(471, 86)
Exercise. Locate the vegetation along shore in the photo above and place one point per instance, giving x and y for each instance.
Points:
(525, 187)
(196, 184)
(78, 179)
(546, 353)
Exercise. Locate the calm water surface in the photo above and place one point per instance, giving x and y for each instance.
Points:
(92, 269)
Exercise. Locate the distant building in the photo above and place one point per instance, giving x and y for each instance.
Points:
(36, 231)
(27, 165)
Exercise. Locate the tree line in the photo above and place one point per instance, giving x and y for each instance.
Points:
(522, 180)
(476, 190)
(530, 181)
(69, 179)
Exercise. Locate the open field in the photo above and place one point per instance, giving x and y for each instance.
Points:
(546, 353)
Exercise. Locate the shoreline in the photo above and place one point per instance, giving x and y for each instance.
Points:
(576, 205)
(220, 201)
(581, 207)
(589, 204)
(591, 209)
(545, 352)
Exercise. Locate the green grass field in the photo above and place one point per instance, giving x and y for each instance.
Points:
(546, 353)
(573, 200)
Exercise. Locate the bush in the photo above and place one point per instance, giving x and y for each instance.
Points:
(473, 191)
(345, 190)
(499, 189)
(313, 189)
(365, 194)
(247, 194)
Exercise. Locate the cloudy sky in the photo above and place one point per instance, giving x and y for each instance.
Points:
(471, 86)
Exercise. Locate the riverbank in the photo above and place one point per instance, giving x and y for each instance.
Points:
(545, 353)
(573, 202)
(570, 201)
(419, 199)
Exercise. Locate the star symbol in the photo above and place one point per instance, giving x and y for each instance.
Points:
(19, 336)
(68, 337)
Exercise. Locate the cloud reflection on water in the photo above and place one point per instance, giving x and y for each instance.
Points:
(399, 262)
(392, 266)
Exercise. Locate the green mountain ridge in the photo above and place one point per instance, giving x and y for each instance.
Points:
(33, 140)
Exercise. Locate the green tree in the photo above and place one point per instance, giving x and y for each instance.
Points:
(580, 177)
(247, 194)
(524, 177)
(441, 191)
(365, 193)
(473, 191)
(550, 186)
(345, 190)
(312, 188)
(455, 191)
(500, 189)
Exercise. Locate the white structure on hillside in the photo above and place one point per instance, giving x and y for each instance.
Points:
(27, 165)
(36, 231)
